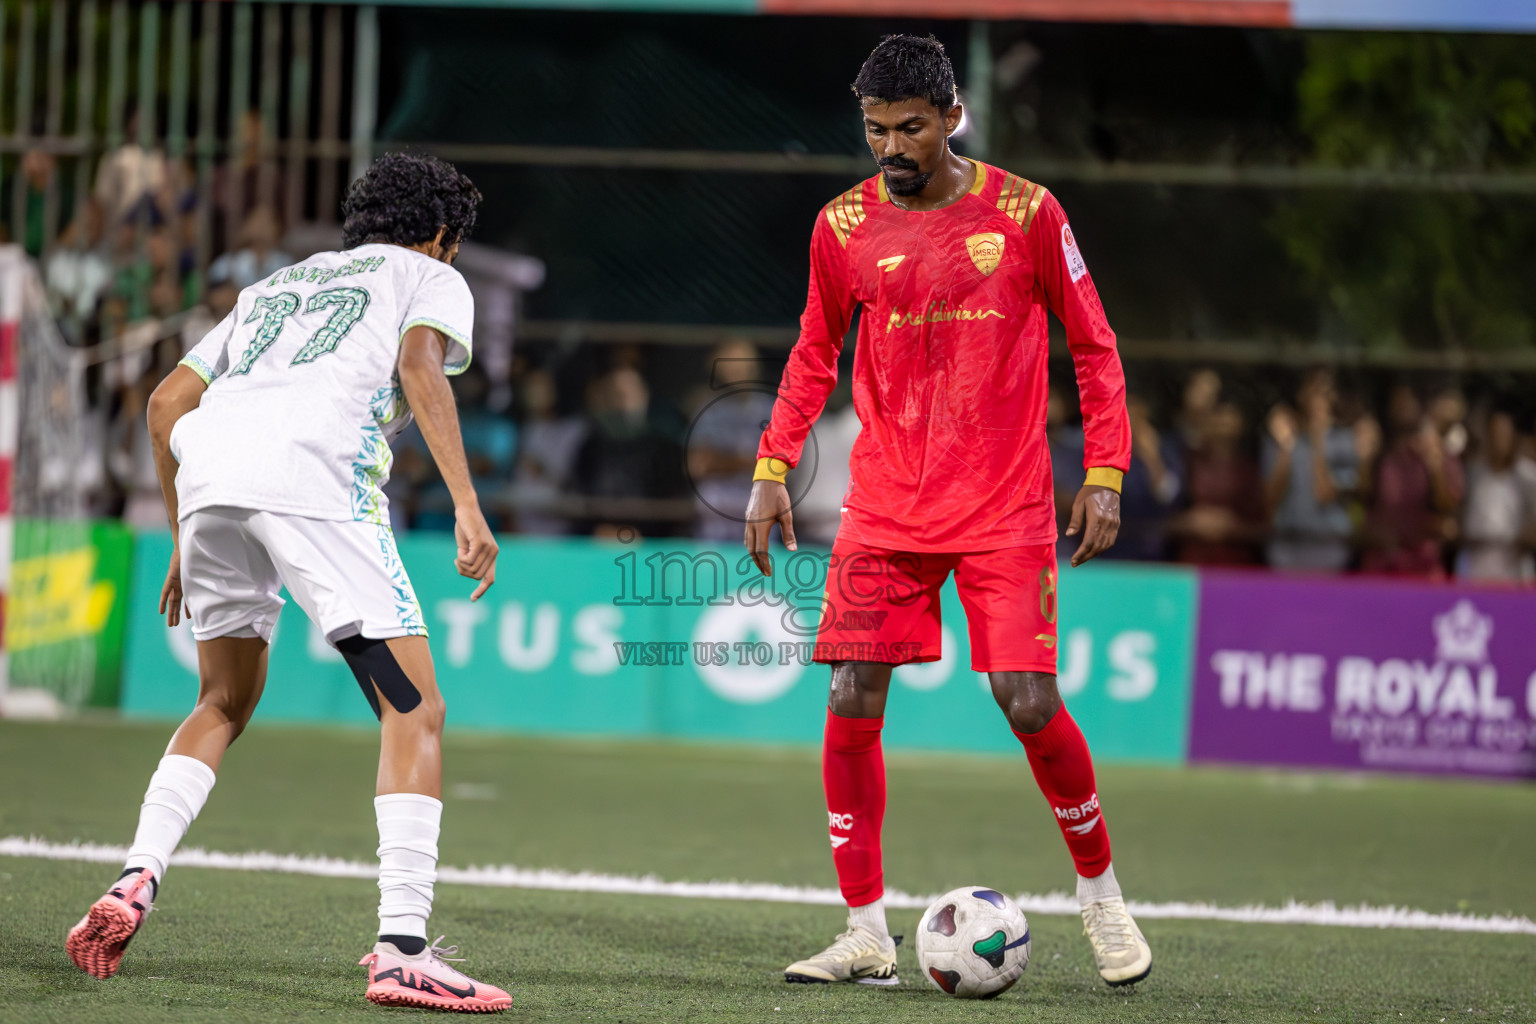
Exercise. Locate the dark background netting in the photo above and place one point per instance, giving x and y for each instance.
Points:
(712, 247)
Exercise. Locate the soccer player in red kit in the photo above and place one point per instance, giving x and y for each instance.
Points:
(955, 264)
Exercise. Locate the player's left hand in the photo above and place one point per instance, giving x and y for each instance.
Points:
(477, 548)
(768, 504)
(171, 601)
(1096, 515)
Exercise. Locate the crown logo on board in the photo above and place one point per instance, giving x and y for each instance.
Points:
(1462, 633)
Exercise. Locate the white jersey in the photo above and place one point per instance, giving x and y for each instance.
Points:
(303, 398)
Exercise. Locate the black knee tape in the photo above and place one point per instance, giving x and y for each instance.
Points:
(373, 664)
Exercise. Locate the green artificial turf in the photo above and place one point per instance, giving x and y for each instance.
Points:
(248, 946)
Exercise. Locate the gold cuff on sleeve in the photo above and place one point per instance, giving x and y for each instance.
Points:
(770, 468)
(1104, 476)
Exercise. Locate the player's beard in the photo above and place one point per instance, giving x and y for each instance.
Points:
(904, 186)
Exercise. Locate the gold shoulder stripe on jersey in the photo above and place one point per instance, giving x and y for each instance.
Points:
(846, 212)
(890, 262)
(1020, 199)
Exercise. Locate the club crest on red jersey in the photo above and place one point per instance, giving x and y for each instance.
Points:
(986, 251)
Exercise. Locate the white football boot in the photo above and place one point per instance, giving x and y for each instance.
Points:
(1119, 948)
(856, 956)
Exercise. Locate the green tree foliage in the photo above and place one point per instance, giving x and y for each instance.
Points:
(1404, 267)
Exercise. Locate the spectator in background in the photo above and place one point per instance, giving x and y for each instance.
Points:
(1418, 492)
(1225, 521)
(257, 254)
(1201, 392)
(1151, 488)
(38, 168)
(185, 215)
(1448, 412)
(247, 180)
(626, 457)
(1065, 441)
(663, 417)
(78, 273)
(166, 297)
(1311, 466)
(728, 421)
(546, 458)
(1499, 519)
(133, 285)
(129, 174)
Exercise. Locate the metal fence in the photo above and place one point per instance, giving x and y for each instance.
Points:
(231, 105)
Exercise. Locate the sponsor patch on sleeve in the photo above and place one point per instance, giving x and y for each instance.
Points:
(1075, 265)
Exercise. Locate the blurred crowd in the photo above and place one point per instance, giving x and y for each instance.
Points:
(1407, 481)
(604, 455)
(1425, 486)
(149, 258)
(1428, 485)
(132, 253)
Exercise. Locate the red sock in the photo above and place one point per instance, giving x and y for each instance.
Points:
(853, 772)
(1064, 770)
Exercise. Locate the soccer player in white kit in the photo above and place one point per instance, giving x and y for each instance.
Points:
(272, 444)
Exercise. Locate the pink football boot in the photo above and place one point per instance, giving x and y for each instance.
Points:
(425, 980)
(96, 944)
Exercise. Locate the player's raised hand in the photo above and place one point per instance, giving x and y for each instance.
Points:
(476, 557)
(1096, 515)
(768, 504)
(171, 604)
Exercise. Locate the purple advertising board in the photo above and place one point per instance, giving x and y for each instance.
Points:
(1375, 675)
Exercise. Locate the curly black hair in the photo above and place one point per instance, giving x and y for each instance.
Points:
(405, 198)
(908, 67)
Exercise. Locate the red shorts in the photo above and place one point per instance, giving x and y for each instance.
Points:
(883, 606)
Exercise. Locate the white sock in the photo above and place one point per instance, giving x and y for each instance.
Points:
(408, 828)
(1101, 888)
(871, 917)
(177, 792)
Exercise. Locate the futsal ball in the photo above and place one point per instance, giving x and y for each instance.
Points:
(973, 943)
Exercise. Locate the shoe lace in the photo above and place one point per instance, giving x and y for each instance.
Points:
(445, 953)
(849, 944)
(1108, 926)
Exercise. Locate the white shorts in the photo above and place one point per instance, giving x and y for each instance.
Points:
(347, 576)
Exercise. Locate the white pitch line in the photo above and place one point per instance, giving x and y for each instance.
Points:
(509, 877)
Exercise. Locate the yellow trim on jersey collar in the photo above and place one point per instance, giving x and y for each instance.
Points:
(981, 177)
(981, 182)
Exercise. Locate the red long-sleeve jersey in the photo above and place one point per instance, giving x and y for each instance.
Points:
(949, 377)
